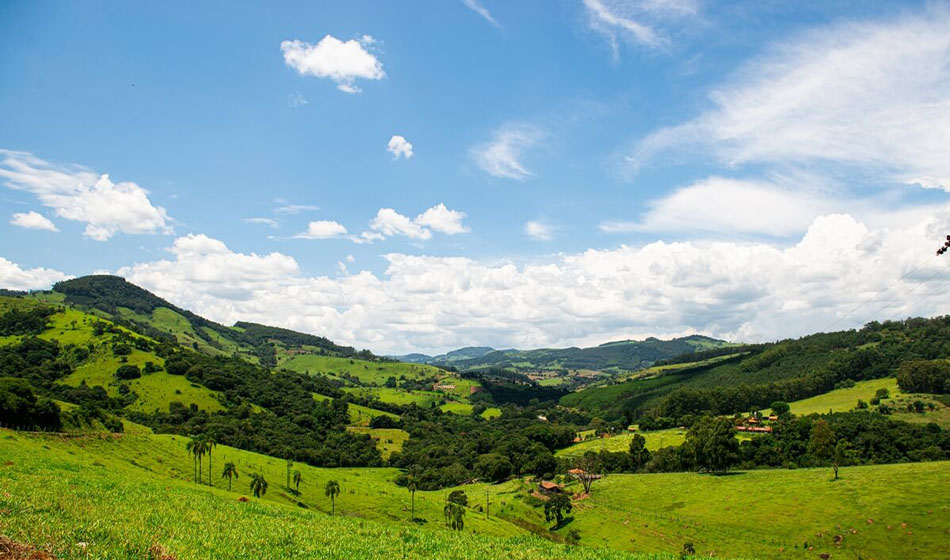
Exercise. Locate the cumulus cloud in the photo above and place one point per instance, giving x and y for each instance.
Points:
(641, 22)
(399, 147)
(441, 219)
(740, 291)
(476, 7)
(388, 222)
(79, 194)
(539, 230)
(32, 220)
(872, 96)
(344, 62)
(502, 155)
(322, 229)
(13, 277)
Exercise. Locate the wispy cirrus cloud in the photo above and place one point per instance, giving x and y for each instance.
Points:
(870, 96)
(481, 10)
(640, 22)
(503, 155)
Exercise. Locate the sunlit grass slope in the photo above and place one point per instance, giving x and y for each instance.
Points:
(655, 440)
(114, 498)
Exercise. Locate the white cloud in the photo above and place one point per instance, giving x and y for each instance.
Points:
(288, 208)
(12, 277)
(539, 230)
(872, 96)
(641, 22)
(77, 193)
(341, 61)
(476, 7)
(441, 219)
(32, 220)
(741, 291)
(322, 229)
(502, 156)
(388, 222)
(399, 147)
(263, 221)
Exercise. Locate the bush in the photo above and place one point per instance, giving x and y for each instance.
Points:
(128, 372)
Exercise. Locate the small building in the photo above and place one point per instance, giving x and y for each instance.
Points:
(773, 418)
(542, 418)
(631, 428)
(577, 472)
(547, 487)
(753, 420)
(577, 439)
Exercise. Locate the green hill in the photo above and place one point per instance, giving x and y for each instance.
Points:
(612, 357)
(788, 370)
(115, 298)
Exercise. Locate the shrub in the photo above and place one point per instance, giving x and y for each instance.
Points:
(128, 372)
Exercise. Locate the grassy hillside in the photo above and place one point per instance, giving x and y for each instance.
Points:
(787, 370)
(772, 514)
(128, 498)
(366, 372)
(655, 440)
(842, 400)
(72, 327)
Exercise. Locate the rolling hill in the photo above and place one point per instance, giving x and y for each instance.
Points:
(612, 357)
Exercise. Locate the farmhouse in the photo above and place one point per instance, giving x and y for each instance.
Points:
(547, 487)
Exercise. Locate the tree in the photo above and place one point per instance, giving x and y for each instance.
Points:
(556, 507)
(639, 453)
(454, 515)
(778, 408)
(127, 372)
(230, 470)
(258, 485)
(196, 445)
(458, 497)
(290, 465)
(711, 444)
(297, 480)
(587, 465)
(332, 490)
(821, 443)
(211, 441)
(412, 487)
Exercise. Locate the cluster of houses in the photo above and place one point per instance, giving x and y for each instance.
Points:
(755, 425)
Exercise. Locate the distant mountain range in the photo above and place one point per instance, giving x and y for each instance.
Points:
(611, 357)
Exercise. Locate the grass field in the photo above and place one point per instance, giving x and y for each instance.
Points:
(359, 415)
(423, 399)
(119, 498)
(123, 494)
(387, 439)
(655, 440)
(368, 373)
(843, 400)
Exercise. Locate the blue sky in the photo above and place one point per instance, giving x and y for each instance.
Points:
(578, 170)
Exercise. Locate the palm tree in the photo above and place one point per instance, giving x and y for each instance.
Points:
(412, 487)
(230, 469)
(196, 445)
(210, 442)
(258, 485)
(297, 479)
(332, 489)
